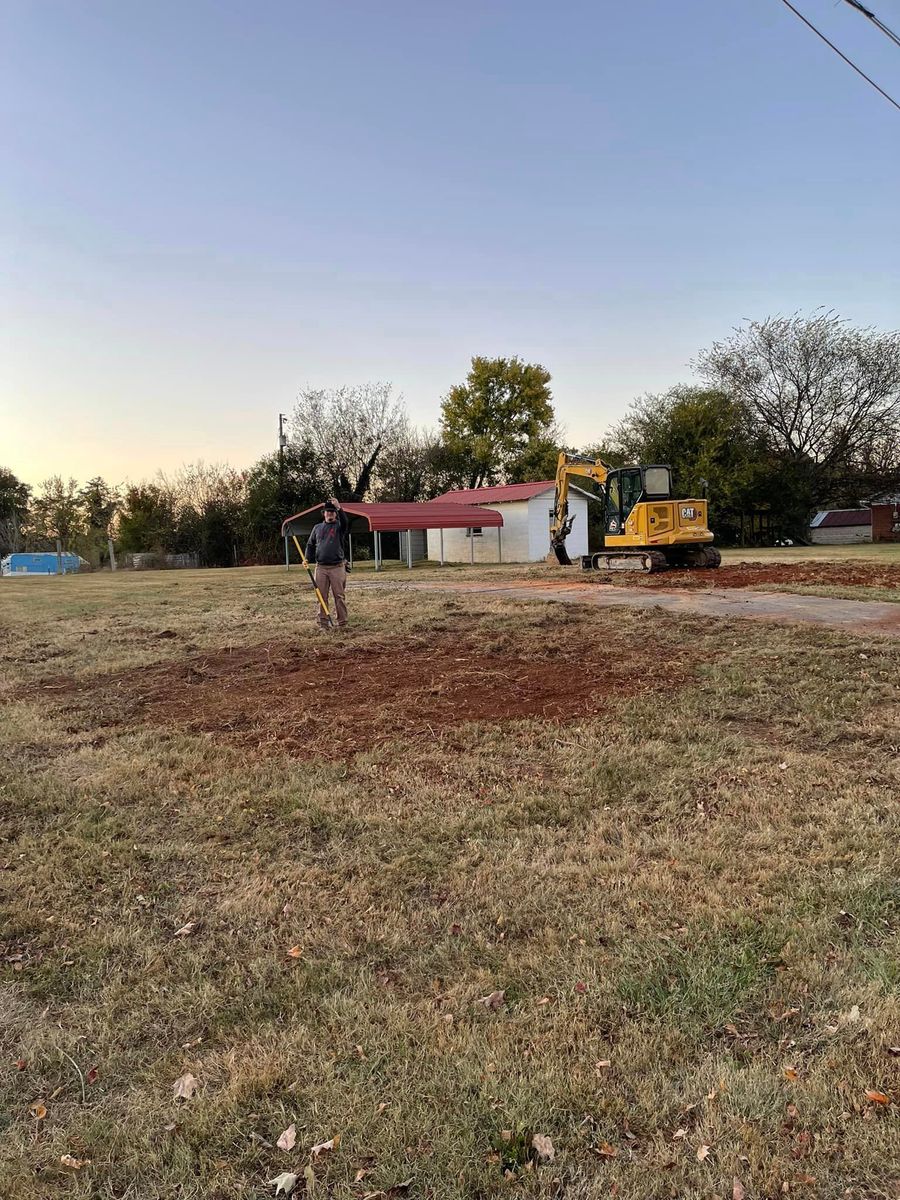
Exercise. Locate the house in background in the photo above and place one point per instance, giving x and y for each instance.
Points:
(41, 564)
(527, 510)
(841, 527)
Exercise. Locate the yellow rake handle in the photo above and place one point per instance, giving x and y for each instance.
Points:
(312, 578)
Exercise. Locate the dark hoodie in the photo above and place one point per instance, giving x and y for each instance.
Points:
(326, 542)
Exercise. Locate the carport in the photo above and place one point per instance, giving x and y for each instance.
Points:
(398, 518)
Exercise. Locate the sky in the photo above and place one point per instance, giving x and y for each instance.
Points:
(206, 206)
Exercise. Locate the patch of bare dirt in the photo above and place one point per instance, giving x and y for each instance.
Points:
(751, 575)
(330, 701)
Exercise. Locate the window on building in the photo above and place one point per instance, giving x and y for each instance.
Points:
(474, 532)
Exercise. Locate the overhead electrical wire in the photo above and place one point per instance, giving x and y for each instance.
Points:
(876, 21)
(840, 53)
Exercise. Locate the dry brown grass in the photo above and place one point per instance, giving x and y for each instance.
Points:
(698, 887)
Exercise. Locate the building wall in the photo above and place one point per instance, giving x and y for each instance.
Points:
(885, 526)
(514, 538)
(525, 534)
(540, 516)
(841, 535)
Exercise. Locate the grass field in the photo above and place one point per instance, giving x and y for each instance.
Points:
(473, 875)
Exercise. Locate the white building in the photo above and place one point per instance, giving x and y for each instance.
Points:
(527, 510)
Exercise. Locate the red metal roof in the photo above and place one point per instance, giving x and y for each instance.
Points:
(393, 518)
(496, 495)
(845, 516)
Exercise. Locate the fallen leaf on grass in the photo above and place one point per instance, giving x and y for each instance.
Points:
(93, 1075)
(543, 1148)
(295, 952)
(309, 1178)
(20, 1064)
(392, 1193)
(877, 1097)
(580, 988)
(601, 1065)
(73, 1164)
(737, 1190)
(184, 1087)
(494, 1001)
(895, 1050)
(605, 1150)
(285, 1182)
(325, 1147)
(679, 1134)
(791, 1073)
(288, 1139)
(186, 930)
(703, 1152)
(38, 1110)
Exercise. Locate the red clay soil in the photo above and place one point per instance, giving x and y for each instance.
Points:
(741, 575)
(280, 695)
(751, 575)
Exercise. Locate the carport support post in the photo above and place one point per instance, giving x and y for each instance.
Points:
(287, 555)
(442, 547)
(471, 547)
(499, 546)
(377, 550)
(409, 548)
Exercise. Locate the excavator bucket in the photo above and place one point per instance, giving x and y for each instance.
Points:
(562, 555)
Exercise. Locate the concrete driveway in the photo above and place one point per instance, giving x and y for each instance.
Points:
(851, 616)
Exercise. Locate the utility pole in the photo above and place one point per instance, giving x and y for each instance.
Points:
(282, 442)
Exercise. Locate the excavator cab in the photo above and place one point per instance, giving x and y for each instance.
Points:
(627, 487)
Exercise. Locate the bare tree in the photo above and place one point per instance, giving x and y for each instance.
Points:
(347, 429)
(822, 391)
(199, 484)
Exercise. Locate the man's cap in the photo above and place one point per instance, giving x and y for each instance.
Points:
(328, 507)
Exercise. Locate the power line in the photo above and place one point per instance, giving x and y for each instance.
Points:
(876, 21)
(840, 53)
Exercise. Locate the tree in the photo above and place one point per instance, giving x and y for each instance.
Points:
(99, 504)
(56, 512)
(147, 520)
(821, 392)
(500, 420)
(346, 430)
(14, 498)
(712, 444)
(208, 500)
(276, 490)
(418, 466)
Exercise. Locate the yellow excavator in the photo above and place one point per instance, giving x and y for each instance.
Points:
(645, 528)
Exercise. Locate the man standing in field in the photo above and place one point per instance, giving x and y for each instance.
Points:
(326, 548)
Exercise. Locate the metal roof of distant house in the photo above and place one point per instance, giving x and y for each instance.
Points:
(836, 518)
(496, 495)
(395, 518)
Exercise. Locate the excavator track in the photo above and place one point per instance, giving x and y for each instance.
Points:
(704, 558)
(645, 561)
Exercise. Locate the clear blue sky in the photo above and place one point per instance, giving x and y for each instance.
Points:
(205, 206)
